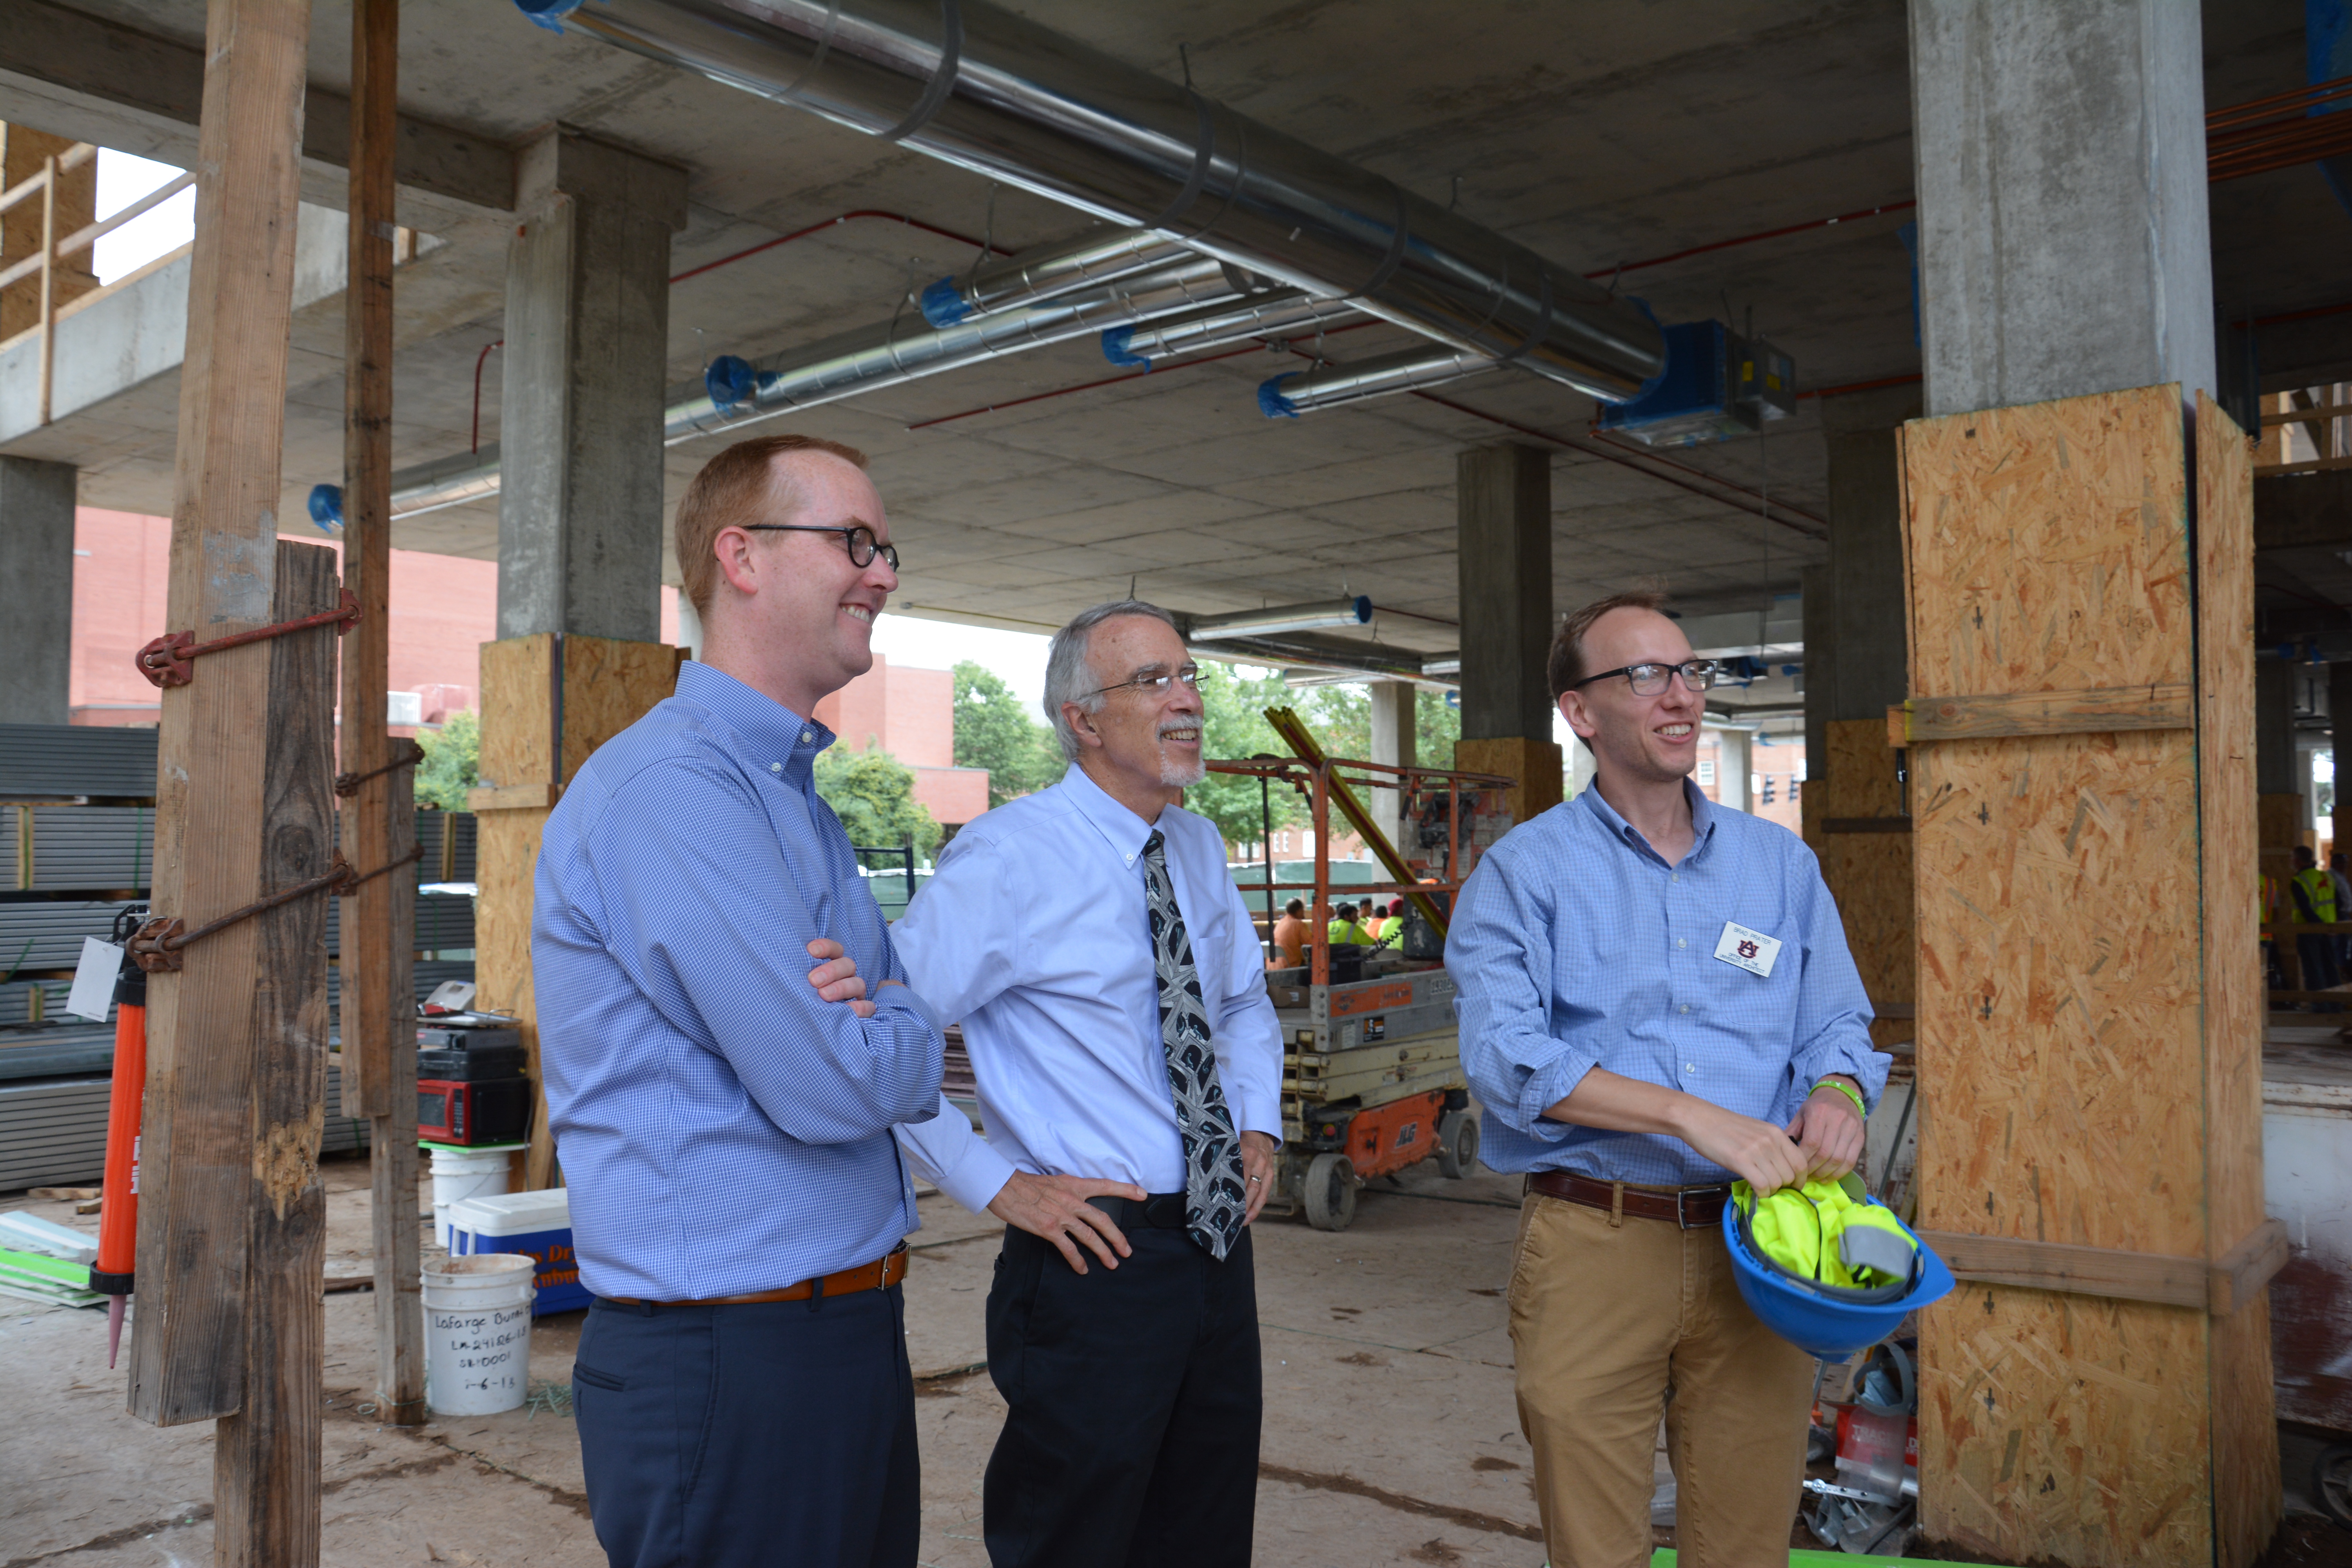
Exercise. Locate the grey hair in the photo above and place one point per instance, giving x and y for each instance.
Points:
(1070, 678)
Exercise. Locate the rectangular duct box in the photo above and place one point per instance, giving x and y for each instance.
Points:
(1698, 401)
(1768, 382)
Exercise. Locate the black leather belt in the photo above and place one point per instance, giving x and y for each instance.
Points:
(1160, 1211)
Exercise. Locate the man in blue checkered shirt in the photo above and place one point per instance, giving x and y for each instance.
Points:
(722, 1109)
(1655, 997)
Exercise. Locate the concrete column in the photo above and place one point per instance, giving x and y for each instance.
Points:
(2274, 760)
(1503, 500)
(1393, 743)
(1734, 769)
(2339, 712)
(36, 562)
(2060, 155)
(1819, 589)
(579, 511)
(1869, 654)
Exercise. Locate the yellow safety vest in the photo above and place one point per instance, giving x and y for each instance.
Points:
(2319, 888)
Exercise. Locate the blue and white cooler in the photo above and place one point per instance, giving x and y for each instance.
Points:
(536, 1225)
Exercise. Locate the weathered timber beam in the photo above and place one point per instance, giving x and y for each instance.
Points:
(74, 74)
(2304, 511)
(2008, 713)
(2219, 1287)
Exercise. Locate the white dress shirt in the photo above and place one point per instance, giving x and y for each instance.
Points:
(1034, 933)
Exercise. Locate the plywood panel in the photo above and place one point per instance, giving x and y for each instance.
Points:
(1536, 763)
(1869, 874)
(2245, 1454)
(2063, 1033)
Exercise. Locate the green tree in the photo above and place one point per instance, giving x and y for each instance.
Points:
(452, 763)
(873, 792)
(993, 730)
(1233, 726)
(1436, 725)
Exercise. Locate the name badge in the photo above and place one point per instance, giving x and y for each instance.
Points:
(1749, 950)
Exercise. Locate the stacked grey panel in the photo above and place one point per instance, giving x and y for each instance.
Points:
(457, 827)
(16, 1001)
(50, 760)
(81, 849)
(46, 934)
(53, 1131)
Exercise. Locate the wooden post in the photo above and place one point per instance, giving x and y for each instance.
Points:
(548, 702)
(380, 922)
(188, 1348)
(266, 1457)
(2089, 1001)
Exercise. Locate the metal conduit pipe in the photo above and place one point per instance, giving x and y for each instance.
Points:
(1298, 391)
(860, 361)
(1103, 254)
(736, 393)
(978, 86)
(1214, 326)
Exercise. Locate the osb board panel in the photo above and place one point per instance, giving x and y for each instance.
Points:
(518, 710)
(2058, 1038)
(2063, 1429)
(608, 686)
(1869, 874)
(2246, 1456)
(2047, 546)
(1861, 774)
(1535, 762)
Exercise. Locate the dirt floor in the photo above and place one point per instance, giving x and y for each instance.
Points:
(1390, 1435)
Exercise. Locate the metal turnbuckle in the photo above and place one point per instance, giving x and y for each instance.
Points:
(164, 661)
(159, 942)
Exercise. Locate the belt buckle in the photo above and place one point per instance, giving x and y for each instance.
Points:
(1682, 1216)
(1159, 1205)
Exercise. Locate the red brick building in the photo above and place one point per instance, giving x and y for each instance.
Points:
(910, 713)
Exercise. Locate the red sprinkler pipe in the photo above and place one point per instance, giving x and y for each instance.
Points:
(118, 1217)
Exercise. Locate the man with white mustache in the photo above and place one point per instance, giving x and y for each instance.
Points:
(1655, 997)
(1113, 999)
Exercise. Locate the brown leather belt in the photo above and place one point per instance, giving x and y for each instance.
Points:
(880, 1275)
(1693, 1208)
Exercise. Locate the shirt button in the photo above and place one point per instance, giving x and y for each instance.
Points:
(1690, 1067)
(1675, 877)
(808, 736)
(775, 767)
(1683, 1008)
(1681, 942)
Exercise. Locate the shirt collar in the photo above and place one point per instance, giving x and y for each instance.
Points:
(1124, 831)
(1703, 819)
(776, 737)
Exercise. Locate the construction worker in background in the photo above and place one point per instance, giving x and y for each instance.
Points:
(2336, 864)
(1290, 936)
(2313, 894)
(2277, 959)
(1655, 997)
(1347, 928)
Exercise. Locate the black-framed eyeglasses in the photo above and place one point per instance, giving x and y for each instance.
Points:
(1649, 680)
(1154, 685)
(858, 539)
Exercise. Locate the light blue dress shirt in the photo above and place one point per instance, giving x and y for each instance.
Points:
(723, 1129)
(1578, 946)
(1034, 933)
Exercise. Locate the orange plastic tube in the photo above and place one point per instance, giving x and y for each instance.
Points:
(118, 1222)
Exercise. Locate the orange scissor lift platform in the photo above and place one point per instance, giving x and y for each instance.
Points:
(1372, 1079)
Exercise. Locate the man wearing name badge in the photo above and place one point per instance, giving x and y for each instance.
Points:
(1113, 999)
(723, 1110)
(1655, 997)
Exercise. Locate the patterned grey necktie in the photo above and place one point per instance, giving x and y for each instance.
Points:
(1215, 1198)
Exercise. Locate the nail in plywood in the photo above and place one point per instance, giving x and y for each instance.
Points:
(188, 1347)
(266, 1457)
(544, 697)
(1867, 869)
(2079, 924)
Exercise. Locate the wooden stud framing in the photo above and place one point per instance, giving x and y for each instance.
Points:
(2088, 1009)
(2040, 713)
(548, 702)
(189, 1343)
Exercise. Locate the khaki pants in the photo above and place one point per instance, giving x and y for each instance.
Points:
(1605, 1319)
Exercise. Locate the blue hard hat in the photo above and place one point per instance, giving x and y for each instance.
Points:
(1830, 1321)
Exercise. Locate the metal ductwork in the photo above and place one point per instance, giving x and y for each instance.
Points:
(1278, 618)
(1350, 661)
(1298, 391)
(1214, 326)
(861, 361)
(993, 92)
(1103, 254)
(736, 393)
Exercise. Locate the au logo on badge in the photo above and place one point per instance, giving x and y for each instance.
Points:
(1749, 950)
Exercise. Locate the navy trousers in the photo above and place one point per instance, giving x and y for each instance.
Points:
(780, 1432)
(1133, 1399)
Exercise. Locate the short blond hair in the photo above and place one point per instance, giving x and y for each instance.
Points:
(736, 488)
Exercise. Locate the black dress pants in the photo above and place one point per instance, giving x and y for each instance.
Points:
(1133, 1399)
(777, 1432)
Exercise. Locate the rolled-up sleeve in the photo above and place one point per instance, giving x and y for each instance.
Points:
(1833, 1011)
(703, 913)
(1247, 1034)
(1499, 951)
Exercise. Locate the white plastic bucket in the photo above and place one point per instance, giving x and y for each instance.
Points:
(460, 1174)
(478, 1334)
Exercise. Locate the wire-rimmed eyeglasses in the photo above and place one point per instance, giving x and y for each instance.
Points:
(858, 539)
(1649, 680)
(1152, 685)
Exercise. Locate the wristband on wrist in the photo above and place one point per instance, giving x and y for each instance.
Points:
(1848, 1091)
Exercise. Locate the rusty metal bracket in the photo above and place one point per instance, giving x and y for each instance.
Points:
(159, 944)
(349, 784)
(164, 661)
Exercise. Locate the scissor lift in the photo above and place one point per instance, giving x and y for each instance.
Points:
(1372, 1077)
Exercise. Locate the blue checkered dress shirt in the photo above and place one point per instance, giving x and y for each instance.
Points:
(723, 1129)
(1578, 946)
